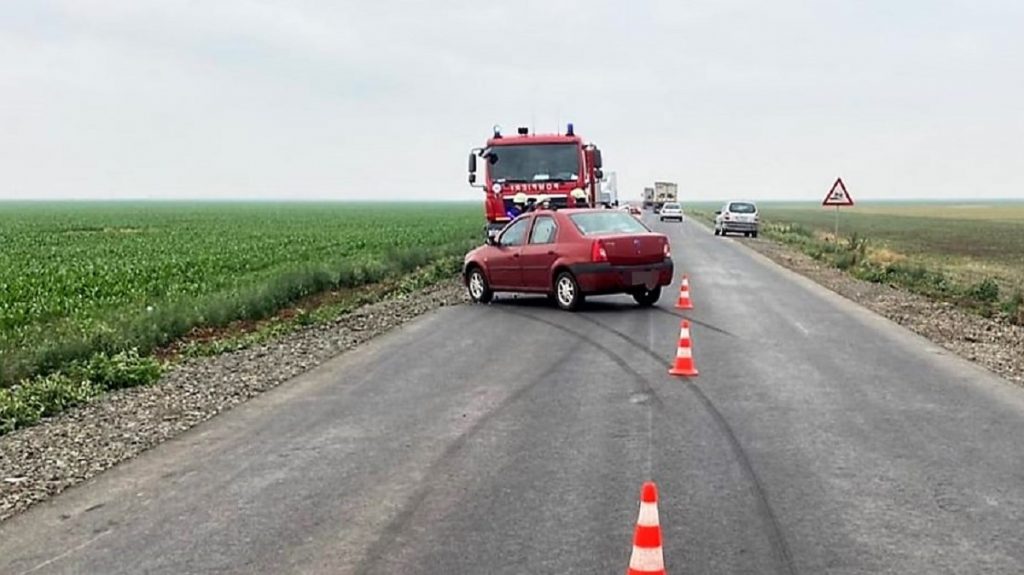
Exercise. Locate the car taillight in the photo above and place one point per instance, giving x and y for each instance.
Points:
(597, 252)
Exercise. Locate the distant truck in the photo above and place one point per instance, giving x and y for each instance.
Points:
(665, 192)
(648, 198)
(609, 191)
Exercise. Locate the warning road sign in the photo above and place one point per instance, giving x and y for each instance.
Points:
(838, 196)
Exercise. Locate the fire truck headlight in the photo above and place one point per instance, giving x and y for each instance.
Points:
(496, 188)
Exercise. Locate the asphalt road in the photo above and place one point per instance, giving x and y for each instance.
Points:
(513, 438)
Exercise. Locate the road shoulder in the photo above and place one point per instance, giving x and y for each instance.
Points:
(41, 461)
(994, 345)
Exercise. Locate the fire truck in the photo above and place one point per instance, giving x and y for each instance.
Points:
(536, 165)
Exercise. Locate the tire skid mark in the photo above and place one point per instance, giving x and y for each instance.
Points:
(779, 542)
(643, 383)
(382, 546)
(694, 321)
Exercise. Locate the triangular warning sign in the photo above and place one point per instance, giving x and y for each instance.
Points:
(838, 196)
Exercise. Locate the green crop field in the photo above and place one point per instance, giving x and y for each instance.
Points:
(78, 278)
(969, 241)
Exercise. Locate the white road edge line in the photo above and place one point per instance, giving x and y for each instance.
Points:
(65, 554)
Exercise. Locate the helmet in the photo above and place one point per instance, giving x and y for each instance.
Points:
(543, 198)
(519, 198)
(579, 194)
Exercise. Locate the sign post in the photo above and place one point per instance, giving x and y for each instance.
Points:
(838, 197)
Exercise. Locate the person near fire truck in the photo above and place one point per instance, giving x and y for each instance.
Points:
(518, 206)
(580, 198)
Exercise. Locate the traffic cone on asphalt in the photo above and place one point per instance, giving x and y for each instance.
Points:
(683, 364)
(647, 557)
(684, 295)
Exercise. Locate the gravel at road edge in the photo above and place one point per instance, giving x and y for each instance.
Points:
(994, 344)
(62, 451)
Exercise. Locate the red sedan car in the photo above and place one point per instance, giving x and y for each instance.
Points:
(570, 254)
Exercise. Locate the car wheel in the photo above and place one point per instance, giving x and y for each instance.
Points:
(646, 297)
(754, 234)
(479, 290)
(567, 292)
(716, 231)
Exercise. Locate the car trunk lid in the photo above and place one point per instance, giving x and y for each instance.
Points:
(634, 249)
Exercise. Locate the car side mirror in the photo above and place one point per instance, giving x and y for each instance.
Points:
(718, 212)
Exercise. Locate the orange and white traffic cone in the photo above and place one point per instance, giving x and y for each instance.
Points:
(683, 364)
(647, 557)
(684, 295)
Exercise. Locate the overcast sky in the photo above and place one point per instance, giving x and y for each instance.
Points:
(377, 99)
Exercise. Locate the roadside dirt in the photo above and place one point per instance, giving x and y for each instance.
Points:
(41, 461)
(994, 344)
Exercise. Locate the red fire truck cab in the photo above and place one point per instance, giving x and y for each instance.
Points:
(536, 165)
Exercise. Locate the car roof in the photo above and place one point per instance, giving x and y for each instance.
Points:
(571, 211)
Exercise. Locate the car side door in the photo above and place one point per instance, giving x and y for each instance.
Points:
(504, 265)
(540, 253)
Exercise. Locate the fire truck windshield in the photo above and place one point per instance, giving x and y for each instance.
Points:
(534, 163)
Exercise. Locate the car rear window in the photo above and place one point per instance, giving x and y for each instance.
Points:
(742, 208)
(671, 206)
(607, 222)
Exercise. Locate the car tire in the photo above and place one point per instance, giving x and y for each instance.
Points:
(567, 292)
(647, 298)
(716, 231)
(479, 289)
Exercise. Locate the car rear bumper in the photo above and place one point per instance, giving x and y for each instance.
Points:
(605, 278)
(739, 226)
(665, 216)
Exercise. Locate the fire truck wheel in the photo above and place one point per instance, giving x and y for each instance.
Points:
(479, 291)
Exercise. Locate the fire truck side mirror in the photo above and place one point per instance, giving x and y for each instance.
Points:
(472, 178)
(599, 174)
(472, 166)
(597, 158)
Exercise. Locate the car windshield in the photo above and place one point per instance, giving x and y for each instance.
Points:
(600, 223)
(534, 163)
(742, 208)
